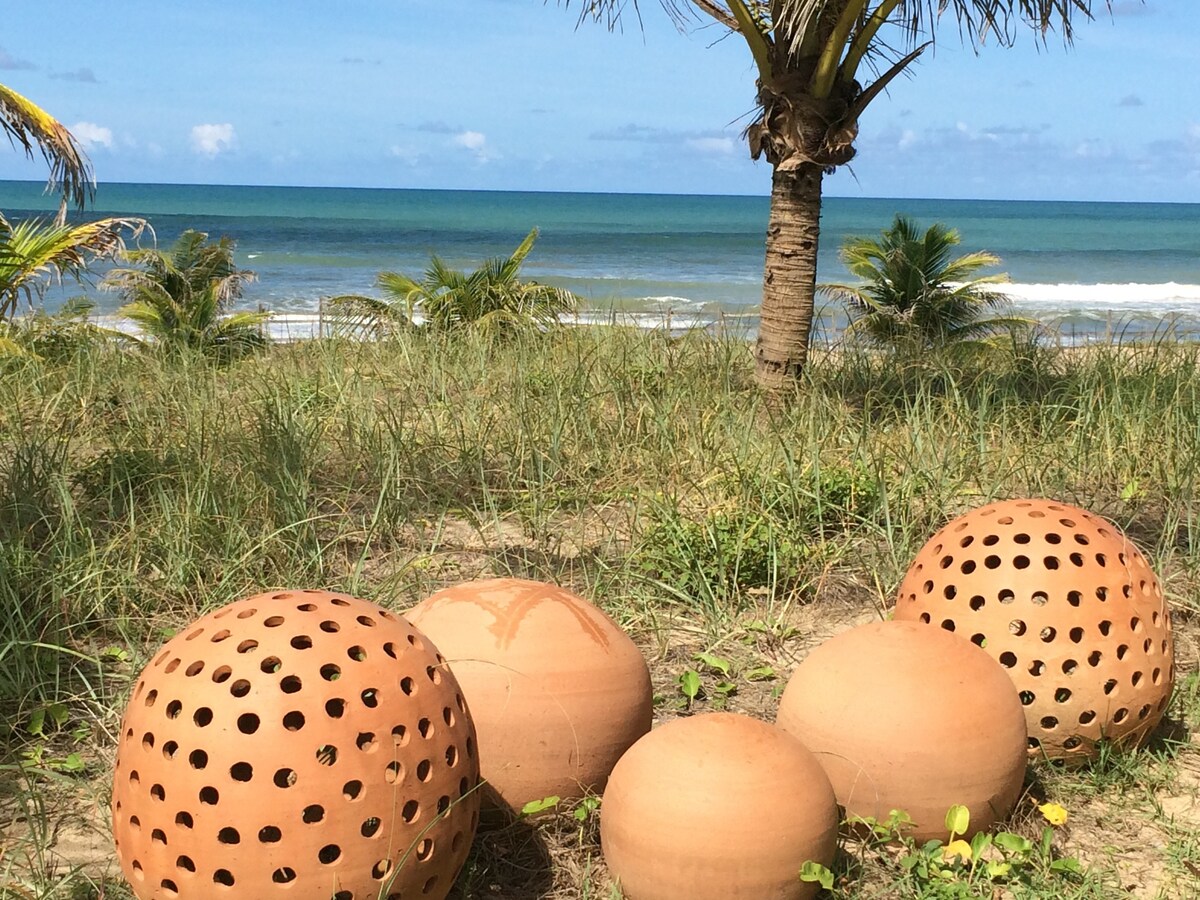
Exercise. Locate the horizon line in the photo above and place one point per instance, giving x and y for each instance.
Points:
(764, 196)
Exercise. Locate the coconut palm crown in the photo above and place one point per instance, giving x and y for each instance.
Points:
(914, 295)
(180, 297)
(819, 64)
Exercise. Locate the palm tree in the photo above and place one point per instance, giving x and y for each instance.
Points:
(493, 298)
(913, 296)
(33, 251)
(179, 297)
(28, 125)
(809, 56)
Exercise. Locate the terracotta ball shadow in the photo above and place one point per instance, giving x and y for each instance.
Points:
(906, 717)
(557, 690)
(1067, 605)
(717, 807)
(298, 744)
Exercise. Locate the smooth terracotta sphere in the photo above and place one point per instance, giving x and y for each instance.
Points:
(1067, 605)
(298, 744)
(906, 717)
(557, 689)
(717, 807)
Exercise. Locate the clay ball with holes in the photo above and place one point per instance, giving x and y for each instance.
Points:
(557, 689)
(714, 807)
(906, 717)
(299, 744)
(1068, 606)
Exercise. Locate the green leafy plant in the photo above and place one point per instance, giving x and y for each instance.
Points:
(914, 296)
(988, 864)
(46, 723)
(492, 299)
(537, 807)
(690, 686)
(180, 297)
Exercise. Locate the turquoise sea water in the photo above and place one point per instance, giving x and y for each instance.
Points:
(1086, 267)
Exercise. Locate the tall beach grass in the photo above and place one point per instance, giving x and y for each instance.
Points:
(645, 471)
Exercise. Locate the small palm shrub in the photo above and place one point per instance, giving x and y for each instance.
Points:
(492, 299)
(180, 297)
(914, 296)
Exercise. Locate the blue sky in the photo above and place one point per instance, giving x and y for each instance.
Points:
(509, 94)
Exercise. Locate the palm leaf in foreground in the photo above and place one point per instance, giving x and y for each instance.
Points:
(35, 251)
(28, 125)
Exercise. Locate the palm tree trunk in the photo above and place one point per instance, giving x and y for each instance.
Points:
(790, 276)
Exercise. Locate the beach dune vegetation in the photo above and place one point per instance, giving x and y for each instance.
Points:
(492, 299)
(914, 296)
(179, 298)
(812, 60)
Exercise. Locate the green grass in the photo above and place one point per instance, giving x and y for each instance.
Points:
(648, 473)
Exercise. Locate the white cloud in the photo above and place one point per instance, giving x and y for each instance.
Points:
(716, 146)
(474, 141)
(92, 135)
(212, 140)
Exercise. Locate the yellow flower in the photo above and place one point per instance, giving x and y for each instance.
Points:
(1054, 814)
(959, 848)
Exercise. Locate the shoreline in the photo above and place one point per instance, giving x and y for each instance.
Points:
(289, 326)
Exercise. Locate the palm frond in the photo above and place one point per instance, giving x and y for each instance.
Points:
(376, 317)
(976, 20)
(27, 126)
(35, 251)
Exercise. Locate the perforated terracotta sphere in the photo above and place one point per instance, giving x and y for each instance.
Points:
(717, 807)
(299, 744)
(557, 689)
(906, 717)
(1067, 605)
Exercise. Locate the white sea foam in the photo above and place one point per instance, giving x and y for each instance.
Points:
(1078, 304)
(1166, 297)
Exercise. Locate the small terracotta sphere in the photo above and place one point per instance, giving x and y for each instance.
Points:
(717, 807)
(298, 744)
(1067, 605)
(906, 717)
(558, 691)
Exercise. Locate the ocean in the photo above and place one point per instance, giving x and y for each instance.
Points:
(1086, 269)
